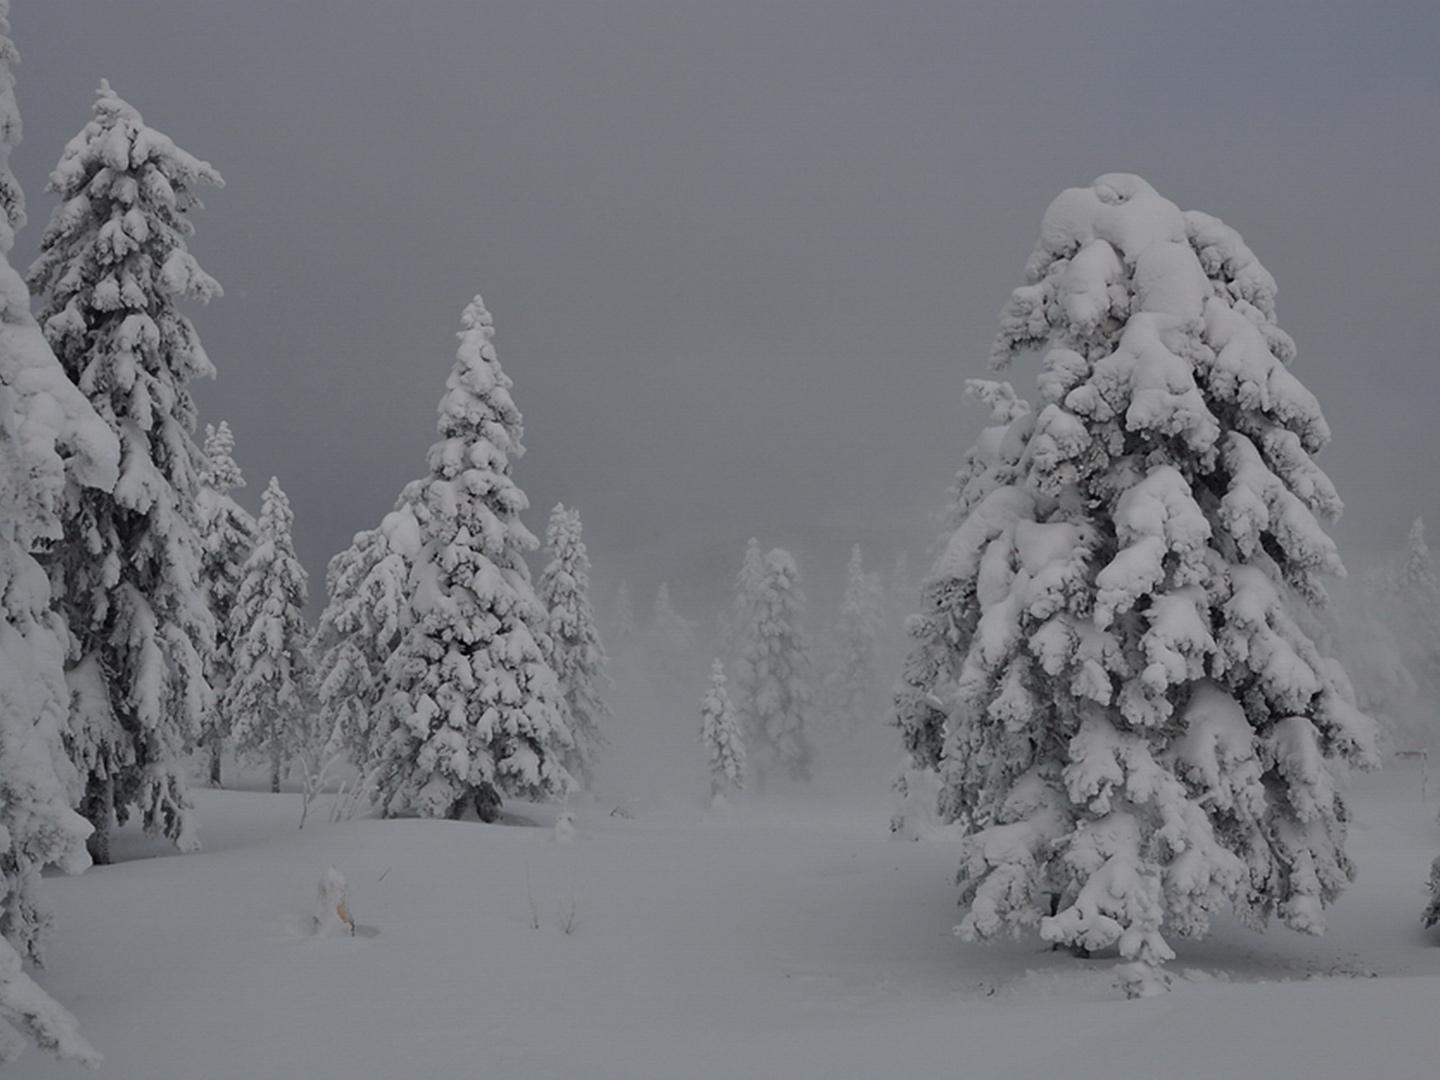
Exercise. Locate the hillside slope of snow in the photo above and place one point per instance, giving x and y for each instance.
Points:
(782, 940)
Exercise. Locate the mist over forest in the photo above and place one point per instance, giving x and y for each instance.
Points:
(689, 540)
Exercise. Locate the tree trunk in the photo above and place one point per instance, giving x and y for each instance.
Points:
(487, 803)
(275, 764)
(216, 744)
(98, 809)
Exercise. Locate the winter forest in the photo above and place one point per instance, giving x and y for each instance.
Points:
(718, 542)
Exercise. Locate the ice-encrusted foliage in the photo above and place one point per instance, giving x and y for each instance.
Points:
(720, 735)
(360, 628)
(269, 693)
(227, 535)
(576, 652)
(941, 631)
(1140, 732)
(473, 709)
(52, 444)
(852, 653)
(112, 270)
(774, 675)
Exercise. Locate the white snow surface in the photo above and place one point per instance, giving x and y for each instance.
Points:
(785, 940)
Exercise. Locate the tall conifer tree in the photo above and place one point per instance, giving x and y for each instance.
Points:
(112, 272)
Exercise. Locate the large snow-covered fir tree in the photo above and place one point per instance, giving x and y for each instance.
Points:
(52, 445)
(575, 649)
(227, 536)
(366, 586)
(852, 676)
(268, 695)
(112, 270)
(1140, 732)
(473, 710)
(720, 735)
(774, 675)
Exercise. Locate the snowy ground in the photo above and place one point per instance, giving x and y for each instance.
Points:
(786, 940)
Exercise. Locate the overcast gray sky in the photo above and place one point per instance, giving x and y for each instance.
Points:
(742, 255)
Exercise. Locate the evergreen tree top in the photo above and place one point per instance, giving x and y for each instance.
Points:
(117, 142)
(477, 401)
(222, 473)
(113, 261)
(276, 519)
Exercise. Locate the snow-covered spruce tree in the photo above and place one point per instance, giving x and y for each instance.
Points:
(720, 735)
(1418, 600)
(227, 536)
(622, 617)
(852, 677)
(1142, 733)
(575, 650)
(268, 695)
(774, 673)
(672, 635)
(1374, 660)
(747, 587)
(52, 444)
(473, 709)
(359, 630)
(113, 267)
(941, 631)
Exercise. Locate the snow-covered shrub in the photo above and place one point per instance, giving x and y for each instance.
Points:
(112, 271)
(1136, 730)
(332, 905)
